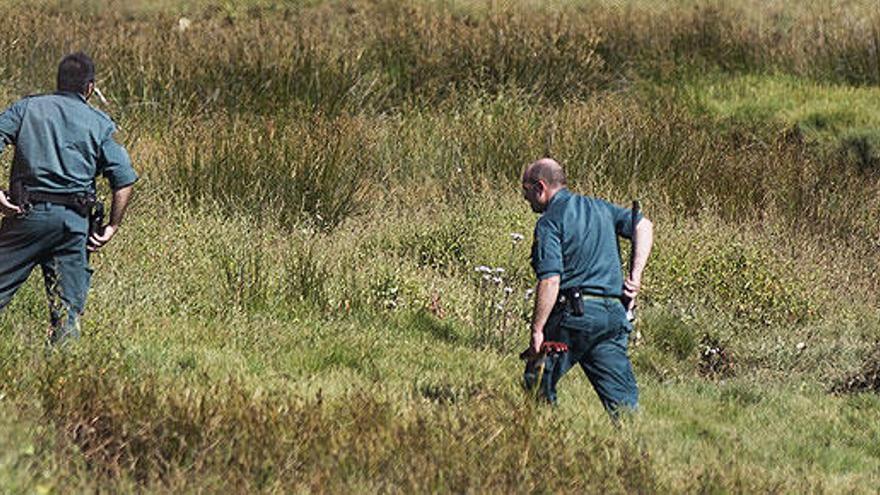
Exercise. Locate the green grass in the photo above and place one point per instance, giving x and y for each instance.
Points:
(816, 108)
(292, 304)
(834, 115)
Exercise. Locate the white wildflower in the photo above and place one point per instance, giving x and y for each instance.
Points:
(529, 293)
(508, 290)
(499, 270)
(483, 269)
(516, 236)
(487, 277)
(497, 280)
(801, 346)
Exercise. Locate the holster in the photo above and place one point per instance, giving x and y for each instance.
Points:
(571, 300)
(18, 194)
(96, 218)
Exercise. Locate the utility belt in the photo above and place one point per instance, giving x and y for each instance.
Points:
(81, 203)
(572, 300)
(85, 205)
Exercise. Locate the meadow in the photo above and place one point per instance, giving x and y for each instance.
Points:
(293, 303)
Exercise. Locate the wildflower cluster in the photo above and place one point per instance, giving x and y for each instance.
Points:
(498, 312)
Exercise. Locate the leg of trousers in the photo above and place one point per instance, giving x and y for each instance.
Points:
(597, 341)
(54, 237)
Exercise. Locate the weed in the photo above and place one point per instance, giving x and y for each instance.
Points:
(867, 379)
(716, 361)
(293, 306)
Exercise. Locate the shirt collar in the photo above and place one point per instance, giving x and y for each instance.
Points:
(561, 195)
(72, 94)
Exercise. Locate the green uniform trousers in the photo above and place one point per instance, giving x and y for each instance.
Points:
(54, 237)
(597, 341)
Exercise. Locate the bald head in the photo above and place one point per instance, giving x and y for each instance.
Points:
(540, 181)
(547, 170)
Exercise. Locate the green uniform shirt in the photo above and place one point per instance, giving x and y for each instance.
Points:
(62, 143)
(576, 238)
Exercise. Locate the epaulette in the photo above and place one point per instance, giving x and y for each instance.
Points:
(36, 95)
(101, 113)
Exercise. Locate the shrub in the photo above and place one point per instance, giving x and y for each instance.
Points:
(308, 173)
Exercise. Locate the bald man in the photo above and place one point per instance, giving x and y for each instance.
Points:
(581, 285)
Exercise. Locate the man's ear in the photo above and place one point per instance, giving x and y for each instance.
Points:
(90, 88)
(540, 186)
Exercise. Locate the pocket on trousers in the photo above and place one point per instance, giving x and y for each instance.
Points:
(620, 313)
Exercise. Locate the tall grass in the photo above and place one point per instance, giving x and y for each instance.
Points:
(293, 303)
(379, 55)
(127, 422)
(318, 168)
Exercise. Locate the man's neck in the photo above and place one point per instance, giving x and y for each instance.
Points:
(552, 193)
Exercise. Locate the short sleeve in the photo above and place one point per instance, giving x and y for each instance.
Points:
(115, 164)
(10, 122)
(546, 249)
(623, 221)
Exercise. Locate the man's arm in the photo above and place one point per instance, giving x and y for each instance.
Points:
(545, 298)
(10, 123)
(644, 241)
(121, 197)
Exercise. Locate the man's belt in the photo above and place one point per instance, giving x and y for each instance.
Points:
(80, 203)
(573, 300)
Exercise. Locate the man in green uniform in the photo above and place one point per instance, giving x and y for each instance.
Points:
(61, 144)
(580, 285)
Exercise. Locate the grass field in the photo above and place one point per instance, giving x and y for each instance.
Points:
(292, 304)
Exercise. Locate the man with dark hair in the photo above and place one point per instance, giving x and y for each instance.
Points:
(61, 145)
(580, 292)
(75, 72)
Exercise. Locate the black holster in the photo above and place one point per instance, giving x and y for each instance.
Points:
(571, 300)
(96, 218)
(18, 194)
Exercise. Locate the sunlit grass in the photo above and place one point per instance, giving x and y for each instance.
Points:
(821, 111)
(294, 302)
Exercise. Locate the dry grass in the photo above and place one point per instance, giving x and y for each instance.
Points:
(292, 304)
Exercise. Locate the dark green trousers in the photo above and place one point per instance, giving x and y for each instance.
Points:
(597, 341)
(54, 237)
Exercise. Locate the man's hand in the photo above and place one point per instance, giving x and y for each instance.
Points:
(630, 291)
(117, 210)
(97, 241)
(533, 351)
(537, 340)
(545, 298)
(7, 209)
